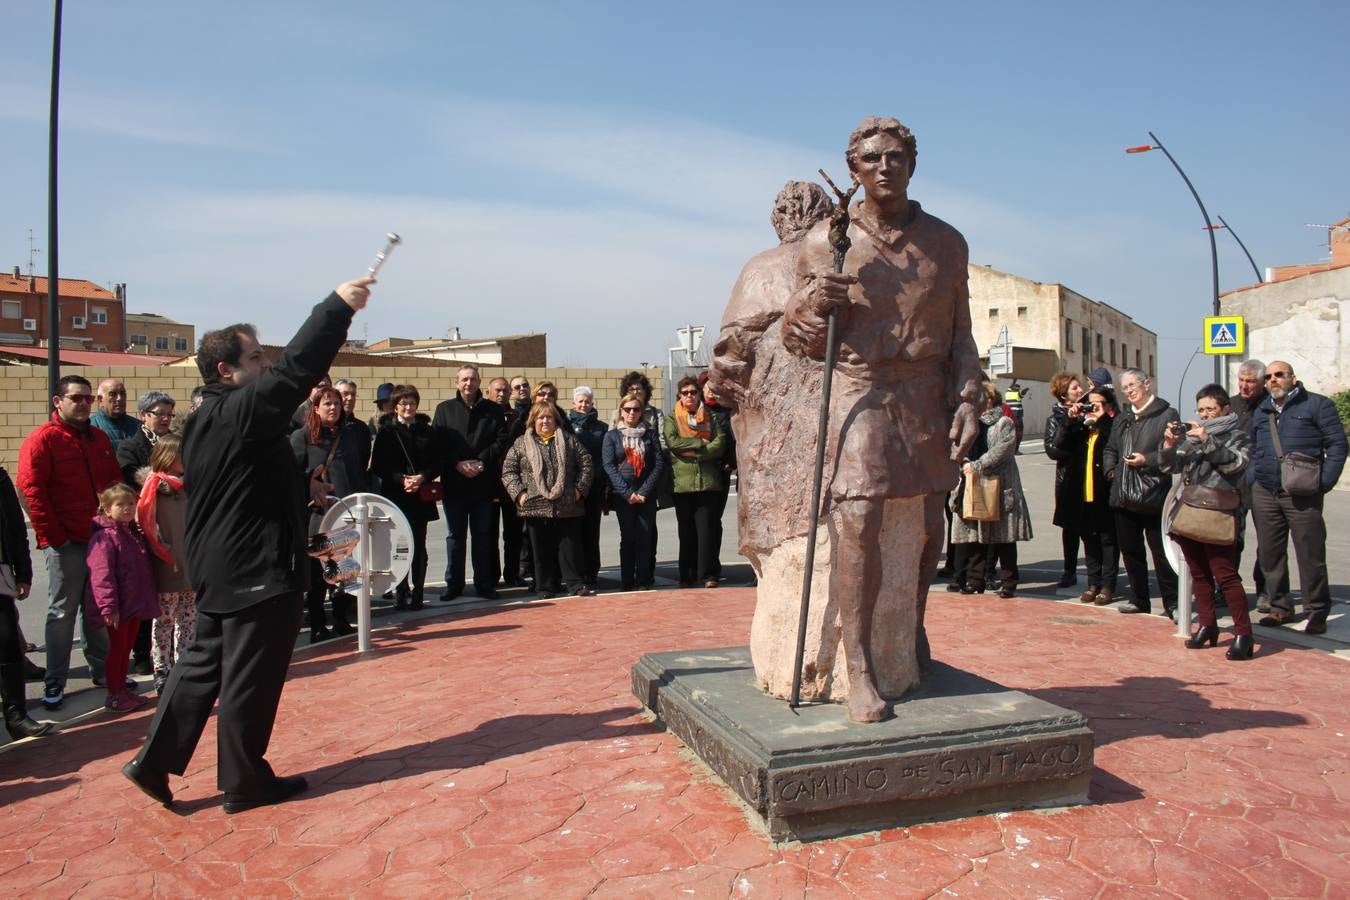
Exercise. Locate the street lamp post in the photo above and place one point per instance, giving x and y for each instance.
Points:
(53, 284)
(1209, 229)
(1229, 228)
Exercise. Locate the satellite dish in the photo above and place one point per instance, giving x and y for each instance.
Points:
(385, 553)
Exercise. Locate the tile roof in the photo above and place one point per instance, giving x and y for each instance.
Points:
(70, 357)
(69, 287)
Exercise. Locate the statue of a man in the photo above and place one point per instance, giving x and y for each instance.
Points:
(905, 399)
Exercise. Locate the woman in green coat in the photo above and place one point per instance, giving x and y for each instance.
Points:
(695, 444)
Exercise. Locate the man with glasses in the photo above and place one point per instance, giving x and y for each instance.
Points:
(1251, 392)
(110, 412)
(63, 465)
(1302, 422)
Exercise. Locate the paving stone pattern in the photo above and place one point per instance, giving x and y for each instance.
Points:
(500, 753)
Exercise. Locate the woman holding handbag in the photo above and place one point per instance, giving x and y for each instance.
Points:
(322, 454)
(992, 538)
(404, 464)
(1210, 456)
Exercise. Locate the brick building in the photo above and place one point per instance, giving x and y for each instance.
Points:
(512, 351)
(152, 333)
(92, 317)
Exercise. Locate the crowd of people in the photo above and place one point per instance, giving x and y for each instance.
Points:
(524, 484)
(107, 500)
(1272, 451)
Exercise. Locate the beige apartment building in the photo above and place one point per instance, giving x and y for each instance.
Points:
(1082, 333)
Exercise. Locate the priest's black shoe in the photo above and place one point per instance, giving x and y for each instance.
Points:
(1242, 647)
(281, 790)
(1207, 634)
(154, 785)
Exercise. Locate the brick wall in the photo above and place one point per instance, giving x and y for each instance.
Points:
(24, 403)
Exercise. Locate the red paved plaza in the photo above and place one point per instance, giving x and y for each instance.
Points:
(500, 753)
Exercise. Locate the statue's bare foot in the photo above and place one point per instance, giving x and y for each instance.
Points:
(865, 704)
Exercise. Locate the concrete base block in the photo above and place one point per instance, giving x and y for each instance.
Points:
(957, 746)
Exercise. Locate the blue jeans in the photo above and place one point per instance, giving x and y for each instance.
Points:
(67, 574)
(476, 521)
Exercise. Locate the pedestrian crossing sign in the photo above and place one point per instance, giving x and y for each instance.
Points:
(1225, 335)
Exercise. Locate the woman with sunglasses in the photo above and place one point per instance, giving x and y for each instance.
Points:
(1084, 502)
(634, 465)
(696, 444)
(547, 473)
(1212, 453)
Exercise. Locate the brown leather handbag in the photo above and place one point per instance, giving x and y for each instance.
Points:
(1205, 514)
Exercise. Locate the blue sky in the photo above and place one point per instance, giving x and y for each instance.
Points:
(600, 171)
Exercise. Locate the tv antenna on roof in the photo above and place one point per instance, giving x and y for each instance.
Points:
(32, 251)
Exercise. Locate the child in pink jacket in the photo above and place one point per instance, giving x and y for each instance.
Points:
(122, 586)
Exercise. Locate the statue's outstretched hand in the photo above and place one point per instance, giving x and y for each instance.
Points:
(965, 428)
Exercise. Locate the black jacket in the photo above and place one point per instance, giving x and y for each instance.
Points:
(477, 432)
(1055, 424)
(133, 454)
(395, 445)
(245, 518)
(1245, 409)
(1307, 424)
(347, 474)
(1143, 489)
(1072, 508)
(13, 532)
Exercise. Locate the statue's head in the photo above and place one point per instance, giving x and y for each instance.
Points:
(798, 206)
(873, 125)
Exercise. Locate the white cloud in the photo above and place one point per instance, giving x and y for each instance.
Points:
(159, 118)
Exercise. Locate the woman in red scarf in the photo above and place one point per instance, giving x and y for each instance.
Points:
(696, 444)
(162, 513)
(633, 462)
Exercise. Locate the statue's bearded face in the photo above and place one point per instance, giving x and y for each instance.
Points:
(883, 166)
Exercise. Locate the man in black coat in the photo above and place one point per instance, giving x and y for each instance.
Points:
(1250, 394)
(246, 553)
(1307, 423)
(472, 433)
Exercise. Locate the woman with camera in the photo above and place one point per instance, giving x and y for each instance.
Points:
(1068, 393)
(1139, 489)
(404, 463)
(1210, 455)
(1083, 502)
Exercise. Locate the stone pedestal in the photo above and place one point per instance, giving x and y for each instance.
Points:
(958, 746)
(773, 632)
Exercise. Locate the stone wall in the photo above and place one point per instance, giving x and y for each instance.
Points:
(24, 403)
(1304, 321)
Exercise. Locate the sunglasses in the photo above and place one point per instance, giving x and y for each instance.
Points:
(1270, 375)
(689, 392)
(636, 409)
(524, 386)
(80, 398)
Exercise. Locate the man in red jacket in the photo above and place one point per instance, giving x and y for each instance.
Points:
(62, 467)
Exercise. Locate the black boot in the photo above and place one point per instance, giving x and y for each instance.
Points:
(1242, 647)
(17, 721)
(343, 606)
(1205, 634)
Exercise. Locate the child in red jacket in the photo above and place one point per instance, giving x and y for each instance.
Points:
(122, 586)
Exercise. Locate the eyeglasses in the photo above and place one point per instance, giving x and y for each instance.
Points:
(410, 404)
(632, 409)
(1270, 375)
(80, 398)
(160, 413)
(689, 392)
